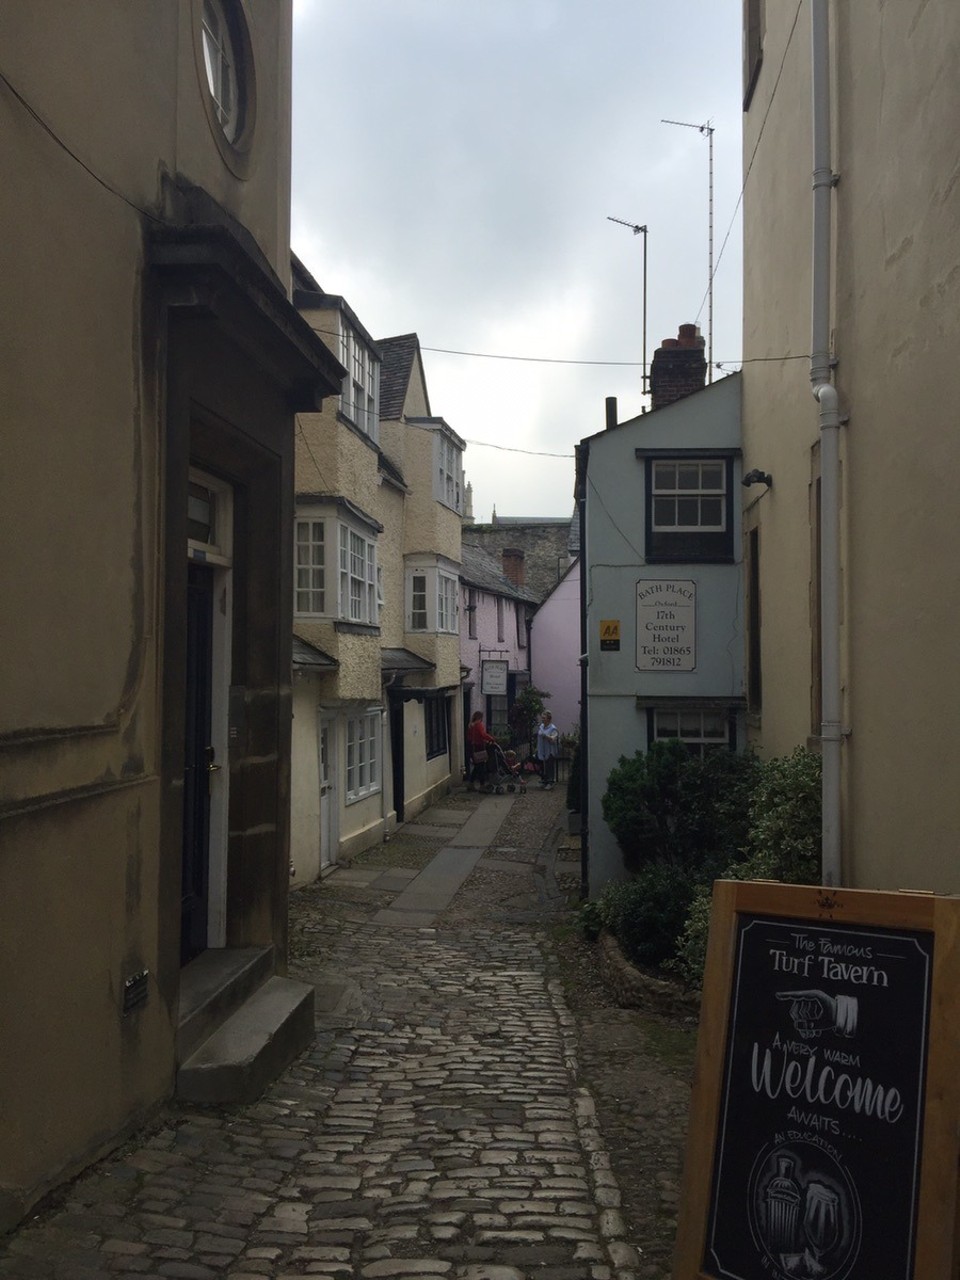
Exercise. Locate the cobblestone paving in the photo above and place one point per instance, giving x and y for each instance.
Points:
(441, 1125)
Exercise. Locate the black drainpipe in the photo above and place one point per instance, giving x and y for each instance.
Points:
(582, 451)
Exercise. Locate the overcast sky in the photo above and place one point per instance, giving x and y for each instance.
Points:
(455, 163)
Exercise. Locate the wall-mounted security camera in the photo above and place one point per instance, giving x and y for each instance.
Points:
(756, 476)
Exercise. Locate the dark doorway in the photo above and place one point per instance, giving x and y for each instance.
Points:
(198, 757)
(396, 753)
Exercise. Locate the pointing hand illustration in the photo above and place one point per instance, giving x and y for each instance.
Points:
(814, 1012)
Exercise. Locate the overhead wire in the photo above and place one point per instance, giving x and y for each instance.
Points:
(753, 156)
(48, 129)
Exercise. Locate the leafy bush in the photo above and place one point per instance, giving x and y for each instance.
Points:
(667, 805)
(783, 843)
(785, 820)
(645, 913)
(573, 781)
(526, 710)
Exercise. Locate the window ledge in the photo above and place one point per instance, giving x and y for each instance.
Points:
(363, 795)
(690, 560)
(358, 430)
(356, 628)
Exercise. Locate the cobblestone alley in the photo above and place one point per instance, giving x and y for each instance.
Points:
(442, 1125)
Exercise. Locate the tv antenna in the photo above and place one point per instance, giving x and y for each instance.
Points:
(707, 129)
(637, 231)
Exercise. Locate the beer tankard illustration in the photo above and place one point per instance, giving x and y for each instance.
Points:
(783, 1208)
(821, 1224)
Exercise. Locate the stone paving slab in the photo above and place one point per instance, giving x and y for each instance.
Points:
(430, 831)
(434, 887)
(444, 816)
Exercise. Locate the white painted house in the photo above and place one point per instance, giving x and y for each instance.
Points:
(663, 588)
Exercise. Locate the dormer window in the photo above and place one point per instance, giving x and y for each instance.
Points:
(448, 470)
(359, 399)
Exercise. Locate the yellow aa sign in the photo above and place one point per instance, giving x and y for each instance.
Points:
(610, 633)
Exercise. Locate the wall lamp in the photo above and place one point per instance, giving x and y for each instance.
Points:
(757, 476)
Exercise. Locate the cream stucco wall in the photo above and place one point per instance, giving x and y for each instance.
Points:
(390, 509)
(429, 526)
(81, 572)
(896, 325)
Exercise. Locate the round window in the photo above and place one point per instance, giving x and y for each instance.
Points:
(220, 60)
(225, 66)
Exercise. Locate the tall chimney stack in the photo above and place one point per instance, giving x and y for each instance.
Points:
(514, 567)
(679, 367)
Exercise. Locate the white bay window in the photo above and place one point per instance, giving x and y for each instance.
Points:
(433, 597)
(335, 568)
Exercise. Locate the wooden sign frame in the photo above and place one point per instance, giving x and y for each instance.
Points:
(920, 932)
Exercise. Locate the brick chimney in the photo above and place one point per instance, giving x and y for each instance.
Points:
(679, 367)
(514, 568)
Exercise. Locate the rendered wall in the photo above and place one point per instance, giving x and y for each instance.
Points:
(555, 650)
(305, 781)
(615, 543)
(82, 884)
(487, 643)
(895, 327)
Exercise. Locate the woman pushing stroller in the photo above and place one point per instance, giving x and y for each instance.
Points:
(478, 744)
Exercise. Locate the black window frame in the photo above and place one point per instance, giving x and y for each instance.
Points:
(436, 720)
(688, 546)
(730, 712)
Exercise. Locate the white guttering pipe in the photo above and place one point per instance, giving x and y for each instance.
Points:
(826, 396)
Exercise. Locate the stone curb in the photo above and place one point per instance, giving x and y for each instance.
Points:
(623, 1255)
(635, 990)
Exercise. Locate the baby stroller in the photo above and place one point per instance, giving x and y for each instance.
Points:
(503, 771)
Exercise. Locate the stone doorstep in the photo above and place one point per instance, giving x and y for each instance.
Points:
(250, 1049)
(212, 986)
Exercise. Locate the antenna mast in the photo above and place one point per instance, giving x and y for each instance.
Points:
(708, 129)
(638, 230)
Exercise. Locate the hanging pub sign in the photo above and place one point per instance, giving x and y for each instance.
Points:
(493, 677)
(823, 1135)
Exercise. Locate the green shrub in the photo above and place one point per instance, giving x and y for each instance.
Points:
(643, 804)
(691, 945)
(573, 781)
(783, 843)
(592, 919)
(646, 913)
(785, 820)
(526, 710)
(667, 805)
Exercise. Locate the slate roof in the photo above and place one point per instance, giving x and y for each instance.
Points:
(404, 660)
(391, 470)
(307, 655)
(302, 279)
(397, 356)
(478, 568)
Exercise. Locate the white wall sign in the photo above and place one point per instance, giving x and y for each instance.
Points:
(493, 677)
(666, 625)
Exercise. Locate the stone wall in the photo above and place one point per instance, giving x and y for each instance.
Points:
(544, 547)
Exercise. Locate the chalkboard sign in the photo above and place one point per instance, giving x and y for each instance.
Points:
(820, 1089)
